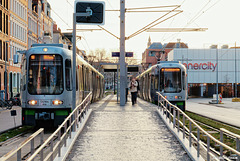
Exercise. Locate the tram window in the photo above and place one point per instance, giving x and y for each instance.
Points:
(170, 80)
(68, 74)
(184, 80)
(76, 81)
(156, 82)
(23, 76)
(45, 75)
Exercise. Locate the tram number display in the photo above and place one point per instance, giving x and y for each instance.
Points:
(44, 102)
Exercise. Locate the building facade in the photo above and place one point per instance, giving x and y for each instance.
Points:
(157, 52)
(18, 41)
(4, 41)
(22, 23)
(206, 67)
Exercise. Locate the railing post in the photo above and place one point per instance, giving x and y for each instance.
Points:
(190, 133)
(70, 129)
(32, 146)
(41, 140)
(183, 126)
(238, 148)
(19, 155)
(166, 109)
(198, 139)
(174, 117)
(170, 108)
(158, 101)
(65, 131)
(178, 119)
(51, 148)
(221, 147)
(59, 146)
(208, 148)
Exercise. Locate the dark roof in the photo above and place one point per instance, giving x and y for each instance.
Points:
(172, 45)
(156, 45)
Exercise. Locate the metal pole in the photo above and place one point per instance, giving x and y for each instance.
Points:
(114, 82)
(217, 73)
(117, 82)
(74, 62)
(235, 71)
(187, 74)
(122, 54)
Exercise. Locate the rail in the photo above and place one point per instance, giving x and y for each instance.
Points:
(23, 144)
(63, 132)
(222, 130)
(171, 111)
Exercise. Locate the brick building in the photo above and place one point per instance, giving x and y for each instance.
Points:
(155, 51)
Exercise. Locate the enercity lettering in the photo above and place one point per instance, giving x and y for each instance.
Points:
(199, 66)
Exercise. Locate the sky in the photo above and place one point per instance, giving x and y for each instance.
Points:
(219, 16)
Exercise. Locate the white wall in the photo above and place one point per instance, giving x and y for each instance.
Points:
(203, 67)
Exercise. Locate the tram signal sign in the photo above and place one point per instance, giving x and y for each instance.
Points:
(94, 9)
(117, 54)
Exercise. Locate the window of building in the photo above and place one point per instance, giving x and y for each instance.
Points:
(1, 49)
(4, 27)
(6, 24)
(152, 53)
(0, 19)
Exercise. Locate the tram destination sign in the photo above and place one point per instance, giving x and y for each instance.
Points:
(94, 9)
(117, 54)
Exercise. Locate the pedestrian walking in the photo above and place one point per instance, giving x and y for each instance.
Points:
(133, 89)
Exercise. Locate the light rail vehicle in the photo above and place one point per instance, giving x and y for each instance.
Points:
(46, 84)
(168, 78)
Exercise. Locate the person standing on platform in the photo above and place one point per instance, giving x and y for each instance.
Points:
(133, 89)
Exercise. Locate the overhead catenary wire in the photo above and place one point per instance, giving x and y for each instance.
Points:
(152, 23)
(195, 17)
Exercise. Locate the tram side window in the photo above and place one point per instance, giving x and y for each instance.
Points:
(184, 80)
(23, 76)
(76, 81)
(68, 74)
(156, 82)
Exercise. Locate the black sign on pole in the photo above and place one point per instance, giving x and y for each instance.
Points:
(13, 112)
(117, 54)
(94, 8)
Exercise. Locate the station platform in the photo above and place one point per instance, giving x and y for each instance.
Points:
(130, 132)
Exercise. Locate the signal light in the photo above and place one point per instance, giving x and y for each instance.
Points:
(32, 102)
(57, 102)
(176, 97)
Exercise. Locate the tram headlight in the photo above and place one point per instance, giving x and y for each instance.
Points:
(32, 102)
(57, 102)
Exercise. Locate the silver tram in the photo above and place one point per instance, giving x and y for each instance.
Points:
(46, 84)
(168, 78)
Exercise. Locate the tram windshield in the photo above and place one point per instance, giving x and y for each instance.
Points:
(45, 75)
(170, 80)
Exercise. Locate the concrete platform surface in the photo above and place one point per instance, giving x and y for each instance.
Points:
(126, 133)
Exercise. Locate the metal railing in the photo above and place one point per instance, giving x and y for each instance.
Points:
(237, 137)
(23, 144)
(173, 113)
(59, 138)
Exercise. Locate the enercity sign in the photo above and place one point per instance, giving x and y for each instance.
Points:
(201, 66)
